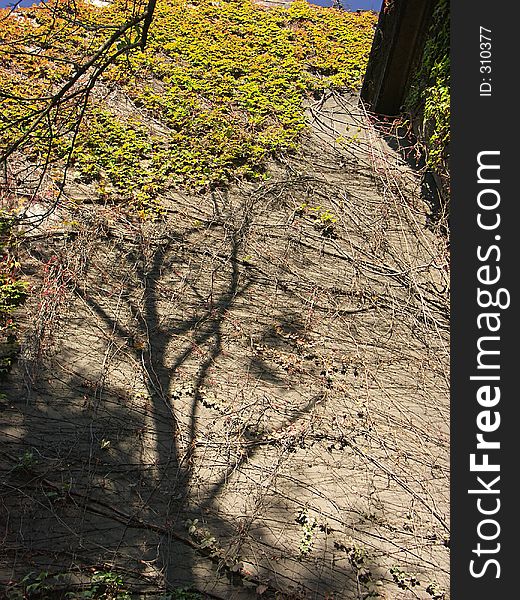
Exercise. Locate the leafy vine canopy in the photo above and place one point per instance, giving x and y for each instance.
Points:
(219, 88)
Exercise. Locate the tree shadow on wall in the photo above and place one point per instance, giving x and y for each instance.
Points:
(103, 470)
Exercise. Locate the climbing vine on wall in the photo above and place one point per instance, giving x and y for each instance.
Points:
(429, 94)
(225, 80)
(13, 292)
(218, 90)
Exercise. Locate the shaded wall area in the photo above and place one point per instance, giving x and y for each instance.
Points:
(408, 75)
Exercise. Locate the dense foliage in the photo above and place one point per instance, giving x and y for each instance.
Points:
(225, 81)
